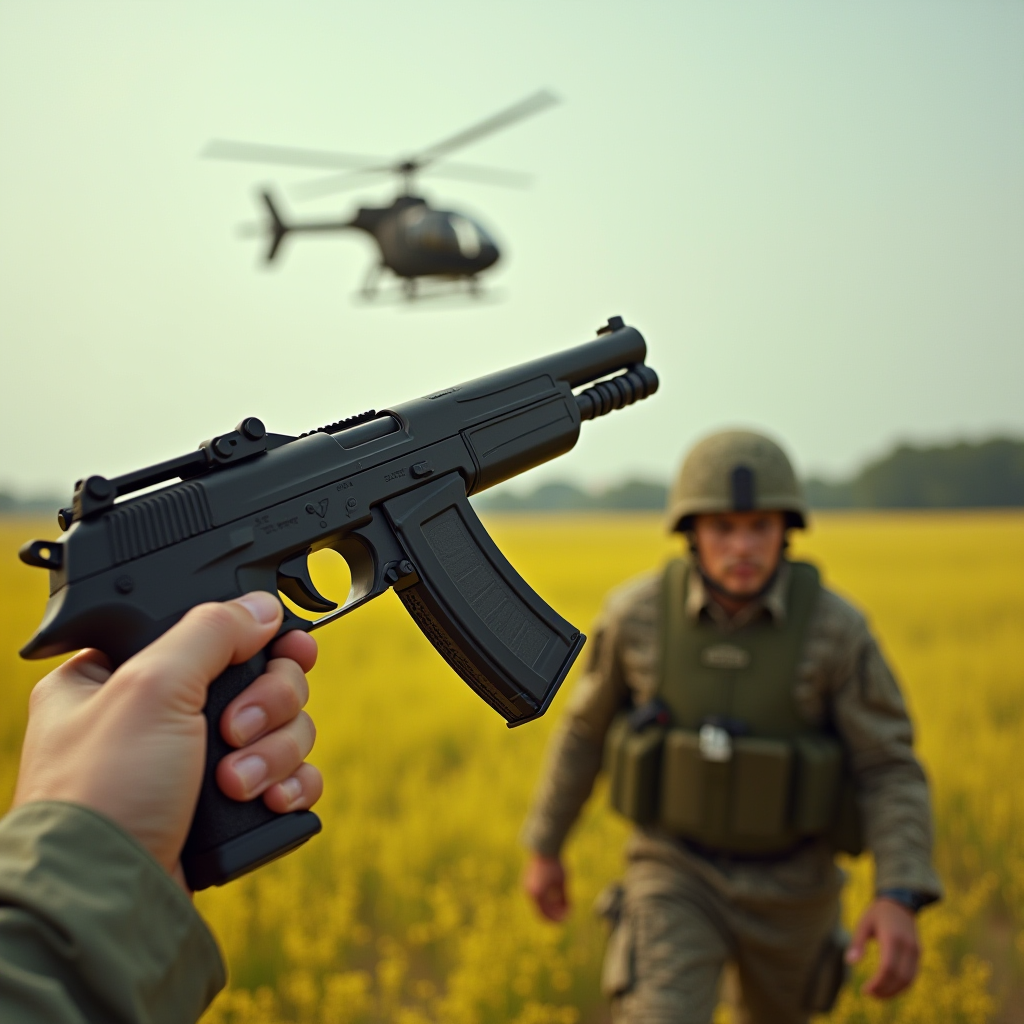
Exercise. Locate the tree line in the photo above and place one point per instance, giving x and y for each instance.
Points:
(988, 474)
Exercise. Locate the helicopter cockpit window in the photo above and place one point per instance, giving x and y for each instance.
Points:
(467, 236)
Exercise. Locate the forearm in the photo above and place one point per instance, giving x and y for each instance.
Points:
(573, 763)
(898, 826)
(891, 785)
(92, 929)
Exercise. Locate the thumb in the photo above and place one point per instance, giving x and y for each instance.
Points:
(864, 930)
(177, 668)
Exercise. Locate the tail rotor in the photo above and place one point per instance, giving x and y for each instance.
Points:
(277, 227)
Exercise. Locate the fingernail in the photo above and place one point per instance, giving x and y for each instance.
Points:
(252, 770)
(248, 723)
(263, 607)
(292, 790)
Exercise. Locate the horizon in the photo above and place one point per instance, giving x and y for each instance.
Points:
(526, 487)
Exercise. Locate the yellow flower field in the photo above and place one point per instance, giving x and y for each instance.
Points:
(407, 907)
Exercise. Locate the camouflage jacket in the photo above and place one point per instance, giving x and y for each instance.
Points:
(93, 929)
(842, 678)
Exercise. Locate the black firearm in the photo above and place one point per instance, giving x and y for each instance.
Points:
(388, 491)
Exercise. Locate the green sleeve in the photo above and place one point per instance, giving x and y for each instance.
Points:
(92, 929)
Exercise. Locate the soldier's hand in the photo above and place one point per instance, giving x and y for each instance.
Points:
(133, 748)
(894, 927)
(544, 882)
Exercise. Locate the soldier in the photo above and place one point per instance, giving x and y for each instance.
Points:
(751, 729)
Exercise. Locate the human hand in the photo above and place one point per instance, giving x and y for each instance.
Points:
(895, 928)
(544, 881)
(133, 748)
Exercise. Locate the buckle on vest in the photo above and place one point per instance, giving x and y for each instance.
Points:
(714, 743)
(654, 712)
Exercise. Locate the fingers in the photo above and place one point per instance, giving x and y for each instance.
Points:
(298, 646)
(896, 969)
(246, 773)
(908, 968)
(865, 930)
(889, 981)
(296, 793)
(552, 902)
(181, 663)
(898, 949)
(267, 721)
(545, 883)
(271, 701)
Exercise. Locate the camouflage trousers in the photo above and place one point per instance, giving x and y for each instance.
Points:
(681, 920)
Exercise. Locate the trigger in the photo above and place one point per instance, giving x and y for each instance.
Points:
(294, 582)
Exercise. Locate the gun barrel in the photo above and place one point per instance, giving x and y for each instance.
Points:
(618, 349)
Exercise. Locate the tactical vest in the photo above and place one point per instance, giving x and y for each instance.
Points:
(723, 759)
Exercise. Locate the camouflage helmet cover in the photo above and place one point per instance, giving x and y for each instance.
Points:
(735, 471)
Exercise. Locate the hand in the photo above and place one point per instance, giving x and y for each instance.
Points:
(894, 927)
(544, 882)
(133, 748)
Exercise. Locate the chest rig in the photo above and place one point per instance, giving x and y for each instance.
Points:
(722, 757)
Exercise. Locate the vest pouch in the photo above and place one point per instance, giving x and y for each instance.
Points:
(641, 767)
(762, 773)
(684, 780)
(634, 766)
(819, 778)
(847, 832)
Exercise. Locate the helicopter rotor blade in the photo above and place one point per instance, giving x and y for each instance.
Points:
(257, 152)
(346, 180)
(480, 175)
(533, 104)
(357, 168)
(335, 183)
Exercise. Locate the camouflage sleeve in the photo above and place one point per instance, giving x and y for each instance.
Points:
(871, 717)
(92, 929)
(574, 757)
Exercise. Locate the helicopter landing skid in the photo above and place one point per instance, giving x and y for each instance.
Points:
(371, 283)
(415, 290)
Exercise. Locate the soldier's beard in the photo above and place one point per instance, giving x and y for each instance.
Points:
(739, 597)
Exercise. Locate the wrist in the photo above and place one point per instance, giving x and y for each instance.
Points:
(545, 858)
(909, 899)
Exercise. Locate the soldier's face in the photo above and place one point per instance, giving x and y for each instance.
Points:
(740, 550)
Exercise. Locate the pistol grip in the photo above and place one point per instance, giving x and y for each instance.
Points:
(483, 618)
(229, 838)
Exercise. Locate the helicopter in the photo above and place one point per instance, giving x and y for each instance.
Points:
(415, 240)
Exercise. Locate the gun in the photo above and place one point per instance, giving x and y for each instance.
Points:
(388, 491)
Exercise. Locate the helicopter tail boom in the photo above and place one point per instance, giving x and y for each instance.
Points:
(277, 227)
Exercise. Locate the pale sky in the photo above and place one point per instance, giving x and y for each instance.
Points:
(814, 211)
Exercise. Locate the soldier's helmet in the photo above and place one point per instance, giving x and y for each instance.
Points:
(735, 471)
